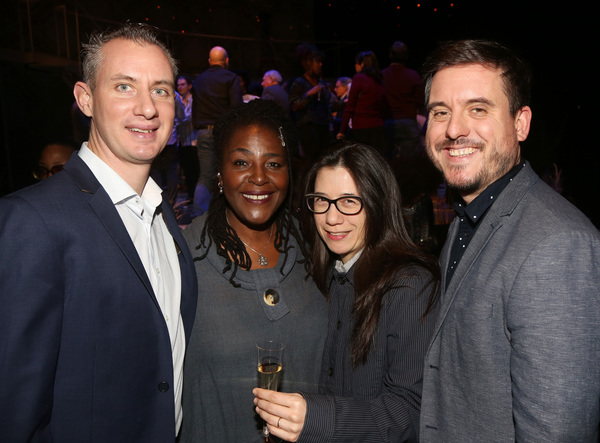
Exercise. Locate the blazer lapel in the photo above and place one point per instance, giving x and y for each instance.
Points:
(108, 215)
(491, 222)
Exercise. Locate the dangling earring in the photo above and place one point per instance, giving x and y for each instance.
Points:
(219, 183)
(281, 136)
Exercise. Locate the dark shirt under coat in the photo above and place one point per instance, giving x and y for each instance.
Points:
(216, 91)
(470, 215)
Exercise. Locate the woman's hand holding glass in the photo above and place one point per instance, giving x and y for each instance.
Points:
(284, 413)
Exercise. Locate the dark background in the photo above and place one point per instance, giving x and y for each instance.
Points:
(39, 46)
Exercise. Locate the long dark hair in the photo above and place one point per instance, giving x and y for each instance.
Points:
(371, 65)
(265, 114)
(389, 254)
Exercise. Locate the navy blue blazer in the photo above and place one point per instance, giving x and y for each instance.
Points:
(85, 353)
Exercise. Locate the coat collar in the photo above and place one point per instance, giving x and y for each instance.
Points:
(108, 215)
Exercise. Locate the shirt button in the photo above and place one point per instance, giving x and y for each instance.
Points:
(163, 386)
(330, 372)
(341, 280)
(339, 325)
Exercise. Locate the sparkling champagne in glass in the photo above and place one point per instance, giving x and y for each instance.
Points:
(270, 368)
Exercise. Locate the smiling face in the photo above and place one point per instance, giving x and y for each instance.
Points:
(344, 235)
(255, 177)
(471, 135)
(132, 107)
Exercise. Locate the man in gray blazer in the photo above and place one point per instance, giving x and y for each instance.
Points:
(515, 355)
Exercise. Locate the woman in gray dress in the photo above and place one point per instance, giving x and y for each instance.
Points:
(253, 285)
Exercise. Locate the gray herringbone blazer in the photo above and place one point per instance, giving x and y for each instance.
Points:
(516, 352)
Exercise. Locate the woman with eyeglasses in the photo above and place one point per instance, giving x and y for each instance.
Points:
(382, 292)
(367, 104)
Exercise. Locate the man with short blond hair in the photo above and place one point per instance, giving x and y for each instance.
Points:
(97, 286)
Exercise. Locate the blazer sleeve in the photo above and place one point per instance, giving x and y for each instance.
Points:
(31, 296)
(553, 318)
(393, 415)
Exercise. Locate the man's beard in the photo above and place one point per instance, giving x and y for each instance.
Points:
(494, 163)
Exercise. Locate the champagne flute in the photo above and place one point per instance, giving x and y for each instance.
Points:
(270, 367)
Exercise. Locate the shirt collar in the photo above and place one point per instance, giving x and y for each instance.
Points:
(343, 268)
(474, 211)
(117, 189)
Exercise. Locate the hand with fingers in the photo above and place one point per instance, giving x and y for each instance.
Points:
(284, 413)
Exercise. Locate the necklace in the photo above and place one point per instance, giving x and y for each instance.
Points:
(262, 260)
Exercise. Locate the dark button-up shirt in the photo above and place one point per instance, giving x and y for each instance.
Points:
(470, 215)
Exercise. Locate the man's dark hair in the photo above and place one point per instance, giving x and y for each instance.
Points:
(398, 53)
(186, 77)
(515, 72)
